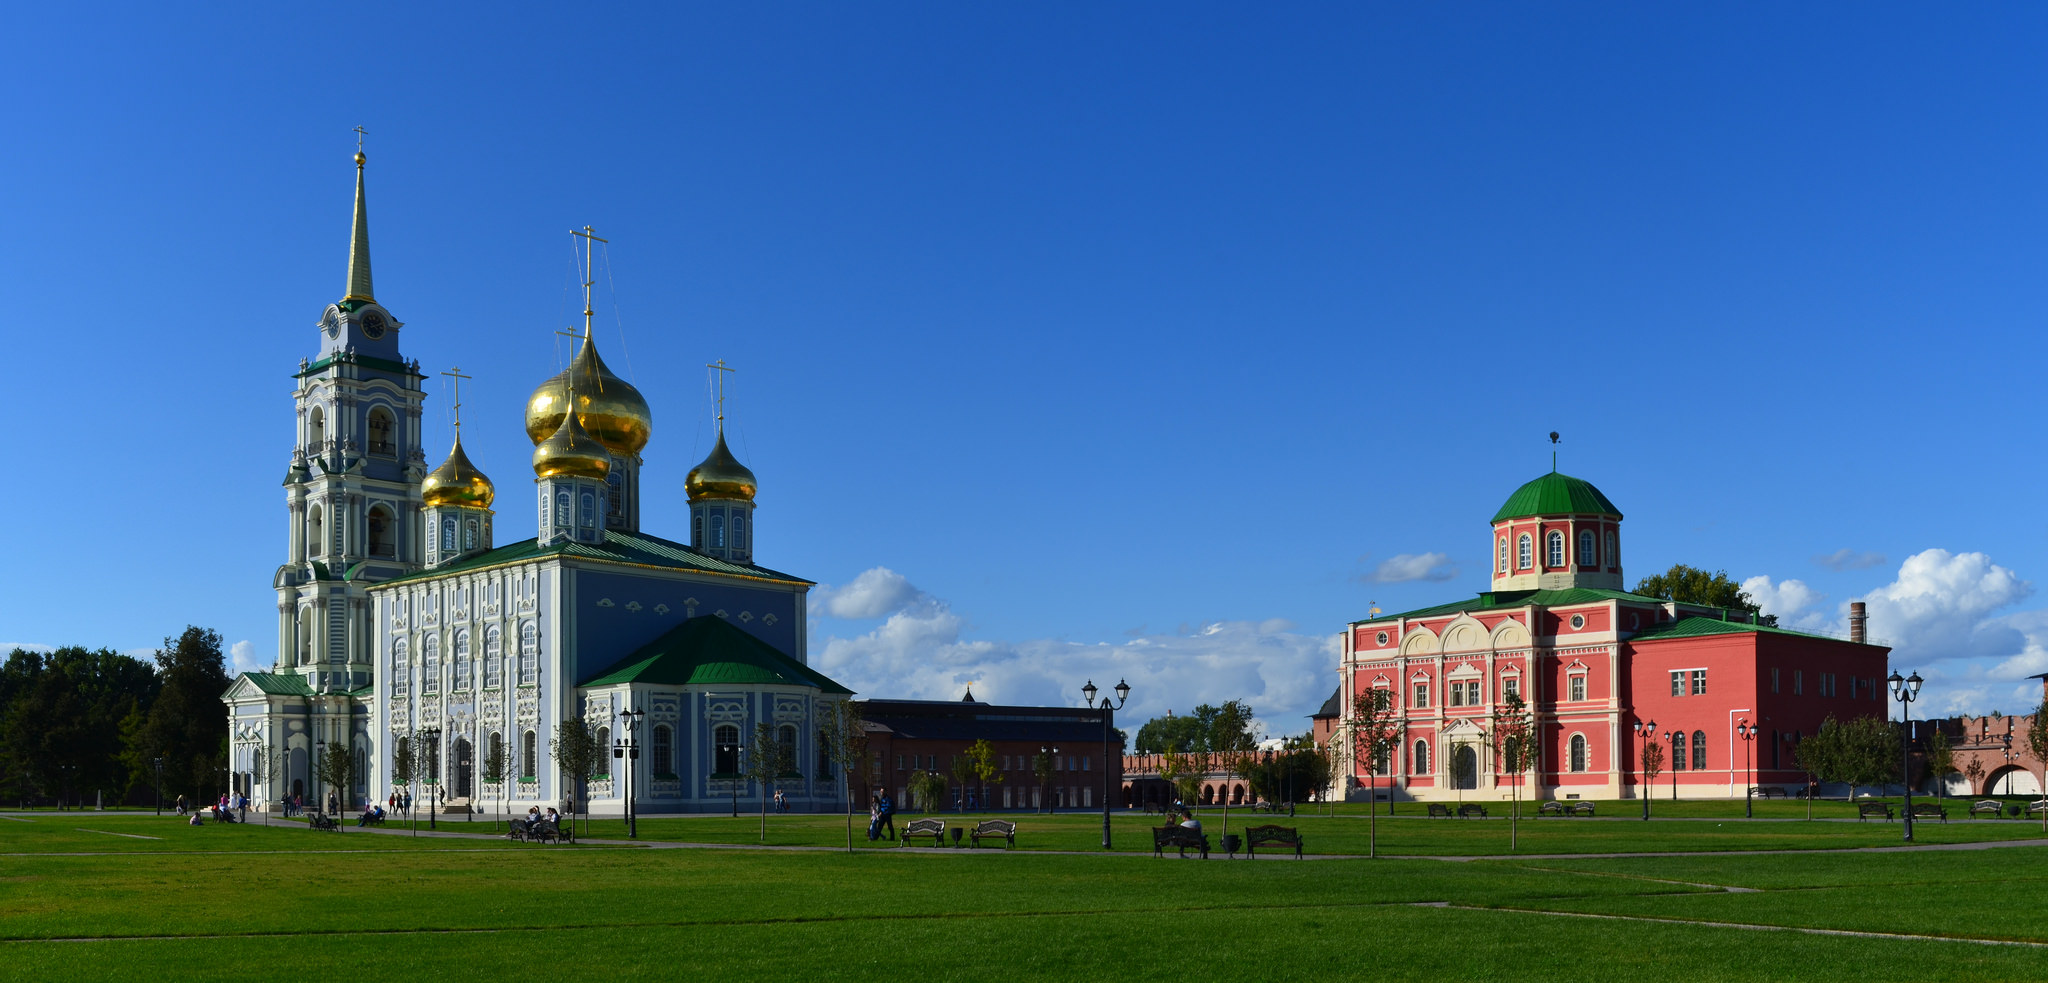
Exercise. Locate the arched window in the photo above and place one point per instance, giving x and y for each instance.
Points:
(725, 740)
(1522, 553)
(1613, 550)
(380, 532)
(717, 530)
(1699, 750)
(448, 534)
(1421, 759)
(1553, 547)
(664, 752)
(380, 432)
(401, 668)
(589, 514)
(529, 654)
(1500, 565)
(1586, 557)
(1578, 755)
(739, 530)
(1678, 750)
(469, 534)
(316, 536)
(461, 661)
(494, 658)
(529, 756)
(786, 736)
(604, 748)
(316, 429)
(494, 757)
(563, 518)
(430, 665)
(697, 527)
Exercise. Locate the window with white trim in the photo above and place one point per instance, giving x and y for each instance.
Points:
(1586, 557)
(1578, 686)
(1553, 548)
(1522, 552)
(430, 665)
(1501, 563)
(1578, 752)
(1421, 696)
(1421, 758)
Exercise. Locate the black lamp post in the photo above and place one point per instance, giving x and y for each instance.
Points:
(1047, 752)
(627, 749)
(732, 780)
(2011, 756)
(159, 762)
(1906, 691)
(1673, 736)
(433, 735)
(319, 762)
(1747, 733)
(1123, 693)
(1646, 731)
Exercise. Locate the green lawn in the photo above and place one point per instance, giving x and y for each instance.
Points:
(213, 902)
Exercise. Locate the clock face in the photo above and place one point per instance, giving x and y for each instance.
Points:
(373, 325)
(331, 323)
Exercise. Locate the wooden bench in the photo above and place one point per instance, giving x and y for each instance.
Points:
(1283, 836)
(934, 828)
(1550, 809)
(1582, 808)
(1868, 810)
(1929, 810)
(994, 829)
(1470, 809)
(1179, 836)
(323, 821)
(1438, 809)
(1767, 791)
(1983, 806)
(2037, 807)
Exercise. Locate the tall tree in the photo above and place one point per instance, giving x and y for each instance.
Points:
(987, 769)
(1692, 585)
(962, 767)
(1171, 734)
(61, 722)
(768, 760)
(844, 736)
(1375, 739)
(1041, 767)
(1653, 765)
(1514, 751)
(577, 755)
(1211, 728)
(185, 725)
(1941, 761)
(495, 761)
(929, 789)
(336, 767)
(2037, 742)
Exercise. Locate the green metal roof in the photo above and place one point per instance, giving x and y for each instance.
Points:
(1491, 600)
(618, 547)
(280, 683)
(1698, 625)
(708, 650)
(1556, 494)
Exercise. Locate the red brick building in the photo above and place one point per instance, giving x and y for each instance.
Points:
(1591, 661)
(907, 736)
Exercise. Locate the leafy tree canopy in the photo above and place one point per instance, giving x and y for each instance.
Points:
(1209, 729)
(1691, 585)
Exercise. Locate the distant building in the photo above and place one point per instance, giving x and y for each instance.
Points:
(1992, 755)
(1591, 661)
(908, 736)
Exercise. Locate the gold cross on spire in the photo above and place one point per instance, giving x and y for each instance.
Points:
(721, 368)
(360, 134)
(589, 249)
(455, 373)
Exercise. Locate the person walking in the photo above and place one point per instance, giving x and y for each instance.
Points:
(888, 814)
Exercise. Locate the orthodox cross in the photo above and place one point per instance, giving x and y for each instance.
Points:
(455, 373)
(720, 367)
(360, 134)
(588, 248)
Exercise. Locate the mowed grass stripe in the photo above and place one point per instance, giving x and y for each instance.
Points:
(1755, 927)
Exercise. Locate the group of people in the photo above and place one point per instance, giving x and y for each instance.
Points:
(881, 814)
(534, 817)
(373, 813)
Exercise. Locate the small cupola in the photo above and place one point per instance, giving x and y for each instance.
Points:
(1554, 533)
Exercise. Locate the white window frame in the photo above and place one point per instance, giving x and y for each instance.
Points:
(1553, 548)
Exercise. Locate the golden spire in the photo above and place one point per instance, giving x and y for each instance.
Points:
(607, 407)
(359, 243)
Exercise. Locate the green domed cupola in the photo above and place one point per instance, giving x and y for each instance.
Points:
(1557, 533)
(1556, 494)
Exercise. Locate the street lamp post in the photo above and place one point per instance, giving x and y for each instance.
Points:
(1646, 731)
(433, 735)
(159, 762)
(1047, 752)
(2011, 755)
(1906, 691)
(1123, 693)
(732, 781)
(1748, 734)
(319, 762)
(627, 749)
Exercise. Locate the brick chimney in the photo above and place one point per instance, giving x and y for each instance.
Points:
(1857, 622)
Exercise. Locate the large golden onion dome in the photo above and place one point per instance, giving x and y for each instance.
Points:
(720, 476)
(457, 482)
(608, 407)
(570, 450)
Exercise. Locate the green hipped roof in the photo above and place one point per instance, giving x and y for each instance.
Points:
(1697, 625)
(1521, 598)
(1556, 494)
(280, 683)
(619, 547)
(708, 650)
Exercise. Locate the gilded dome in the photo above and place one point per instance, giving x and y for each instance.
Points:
(571, 451)
(457, 482)
(720, 476)
(608, 407)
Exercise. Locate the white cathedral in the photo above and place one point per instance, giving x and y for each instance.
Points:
(398, 617)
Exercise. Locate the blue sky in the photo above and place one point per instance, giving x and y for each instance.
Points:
(1074, 340)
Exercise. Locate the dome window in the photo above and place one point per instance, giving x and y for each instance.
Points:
(1554, 549)
(1586, 557)
(1523, 551)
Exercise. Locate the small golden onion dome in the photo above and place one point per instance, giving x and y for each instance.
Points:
(720, 476)
(457, 482)
(571, 451)
(608, 407)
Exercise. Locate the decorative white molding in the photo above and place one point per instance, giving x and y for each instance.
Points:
(605, 602)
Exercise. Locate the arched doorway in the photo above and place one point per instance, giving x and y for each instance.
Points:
(1464, 767)
(465, 769)
(2012, 781)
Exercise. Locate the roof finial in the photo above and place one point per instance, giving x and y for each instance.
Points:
(455, 373)
(720, 366)
(359, 242)
(589, 250)
(1553, 452)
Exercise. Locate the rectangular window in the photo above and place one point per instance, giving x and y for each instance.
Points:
(1472, 693)
(1798, 682)
(1084, 762)
(1678, 684)
(1511, 686)
(1579, 687)
(1774, 680)
(1059, 762)
(1457, 694)
(899, 762)
(1421, 695)
(1699, 682)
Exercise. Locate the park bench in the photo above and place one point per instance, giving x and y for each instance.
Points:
(1929, 810)
(1878, 810)
(1470, 809)
(1438, 809)
(2037, 807)
(994, 829)
(1582, 808)
(1983, 806)
(370, 819)
(1550, 809)
(934, 828)
(1284, 836)
(1767, 791)
(1183, 837)
(323, 821)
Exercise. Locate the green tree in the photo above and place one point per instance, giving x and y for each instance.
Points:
(844, 736)
(336, 769)
(1212, 728)
(928, 790)
(577, 756)
(1691, 585)
(62, 717)
(1514, 752)
(1170, 734)
(987, 769)
(405, 768)
(768, 760)
(186, 723)
(962, 767)
(2037, 742)
(1375, 739)
(1041, 766)
(1184, 772)
(1941, 760)
(1859, 751)
(1653, 765)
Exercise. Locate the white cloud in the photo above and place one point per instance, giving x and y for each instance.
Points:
(874, 593)
(242, 658)
(918, 653)
(26, 646)
(1940, 607)
(1848, 559)
(1408, 567)
(1785, 598)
